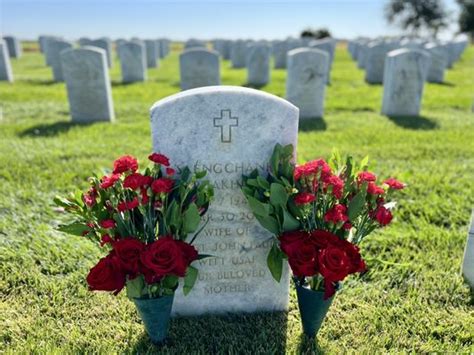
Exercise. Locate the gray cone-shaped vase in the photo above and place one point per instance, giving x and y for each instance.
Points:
(313, 308)
(155, 314)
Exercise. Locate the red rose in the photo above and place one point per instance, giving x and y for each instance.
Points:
(162, 185)
(189, 252)
(303, 198)
(321, 238)
(107, 224)
(164, 257)
(136, 180)
(373, 189)
(336, 214)
(125, 163)
(366, 176)
(337, 185)
(129, 250)
(383, 215)
(109, 181)
(170, 171)
(302, 254)
(394, 184)
(127, 205)
(107, 275)
(159, 159)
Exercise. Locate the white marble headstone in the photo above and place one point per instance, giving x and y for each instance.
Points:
(306, 81)
(55, 47)
(404, 78)
(88, 85)
(439, 62)
(199, 67)
(238, 54)
(227, 131)
(375, 61)
(152, 53)
(468, 261)
(6, 73)
(258, 64)
(280, 50)
(14, 46)
(132, 61)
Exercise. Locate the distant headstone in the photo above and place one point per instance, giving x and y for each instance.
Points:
(361, 54)
(238, 54)
(404, 77)
(439, 62)
(233, 131)
(306, 81)
(132, 61)
(14, 46)
(48, 53)
(193, 43)
(280, 50)
(84, 41)
(199, 67)
(375, 61)
(6, 73)
(160, 48)
(55, 47)
(88, 85)
(227, 46)
(106, 45)
(258, 64)
(468, 260)
(41, 42)
(329, 46)
(152, 53)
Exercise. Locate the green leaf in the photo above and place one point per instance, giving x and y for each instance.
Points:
(74, 228)
(290, 223)
(269, 223)
(275, 262)
(203, 256)
(189, 279)
(278, 195)
(275, 159)
(356, 205)
(200, 174)
(364, 164)
(191, 218)
(136, 288)
(287, 151)
(63, 202)
(263, 183)
(258, 208)
(252, 182)
(170, 282)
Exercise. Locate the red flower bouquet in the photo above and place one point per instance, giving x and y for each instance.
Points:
(319, 213)
(143, 219)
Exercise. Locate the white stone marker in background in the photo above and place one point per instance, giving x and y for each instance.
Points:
(468, 261)
(238, 53)
(306, 81)
(132, 61)
(375, 61)
(258, 64)
(232, 130)
(404, 78)
(439, 62)
(329, 46)
(152, 53)
(55, 47)
(199, 67)
(280, 50)
(6, 73)
(88, 85)
(194, 43)
(106, 45)
(14, 46)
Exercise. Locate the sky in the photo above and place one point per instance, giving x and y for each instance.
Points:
(180, 19)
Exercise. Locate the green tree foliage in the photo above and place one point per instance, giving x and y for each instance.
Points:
(417, 15)
(315, 33)
(466, 17)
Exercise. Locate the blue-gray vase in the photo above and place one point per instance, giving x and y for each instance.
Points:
(155, 314)
(313, 308)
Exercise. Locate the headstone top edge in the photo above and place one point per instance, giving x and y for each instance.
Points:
(307, 50)
(86, 49)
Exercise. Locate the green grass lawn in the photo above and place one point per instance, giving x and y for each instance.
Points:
(411, 299)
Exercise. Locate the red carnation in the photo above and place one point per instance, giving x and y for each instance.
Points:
(90, 197)
(105, 239)
(109, 181)
(366, 176)
(303, 198)
(136, 180)
(162, 185)
(127, 205)
(107, 275)
(337, 185)
(394, 184)
(107, 223)
(159, 159)
(373, 189)
(144, 196)
(170, 171)
(125, 163)
(312, 168)
(383, 215)
(336, 214)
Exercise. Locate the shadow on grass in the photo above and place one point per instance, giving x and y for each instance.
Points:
(312, 124)
(308, 345)
(229, 334)
(41, 81)
(254, 86)
(414, 122)
(445, 83)
(52, 129)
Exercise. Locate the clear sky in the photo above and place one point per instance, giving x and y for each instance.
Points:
(179, 19)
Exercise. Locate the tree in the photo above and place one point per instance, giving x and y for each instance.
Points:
(466, 17)
(317, 34)
(417, 15)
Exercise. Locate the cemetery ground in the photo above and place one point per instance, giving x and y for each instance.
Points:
(412, 297)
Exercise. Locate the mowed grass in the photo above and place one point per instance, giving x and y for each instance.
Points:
(411, 299)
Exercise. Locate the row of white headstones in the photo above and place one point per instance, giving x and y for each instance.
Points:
(225, 131)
